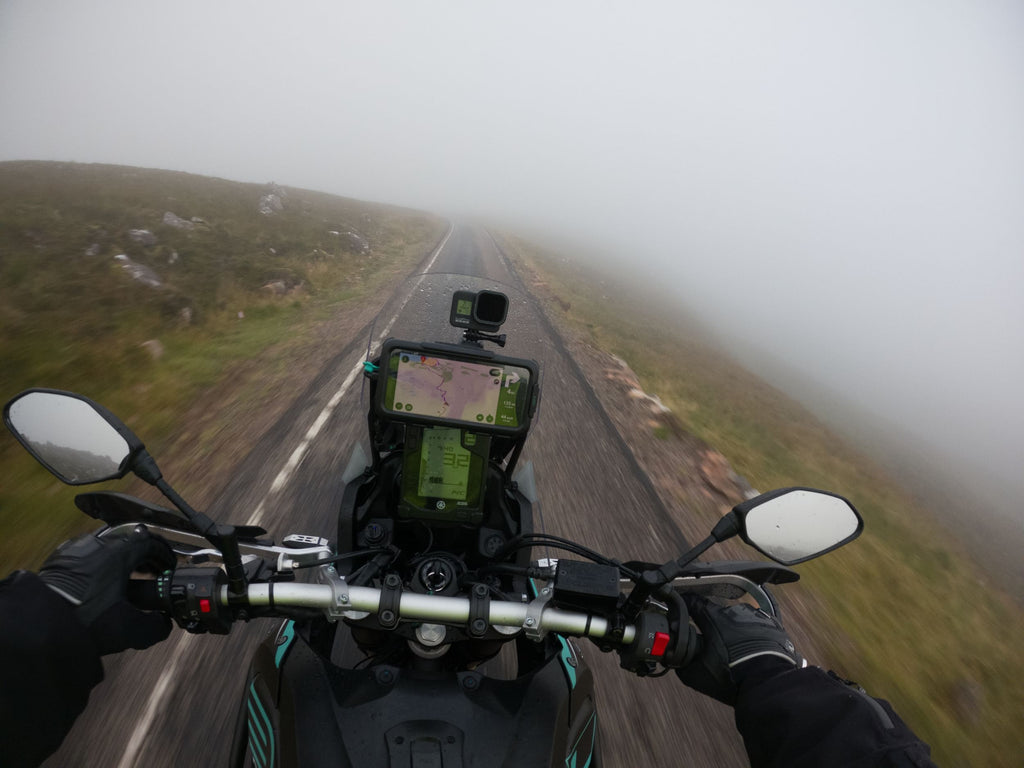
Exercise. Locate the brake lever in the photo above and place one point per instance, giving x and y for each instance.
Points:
(728, 586)
(197, 549)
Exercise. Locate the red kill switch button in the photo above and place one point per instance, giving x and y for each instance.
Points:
(660, 644)
(204, 607)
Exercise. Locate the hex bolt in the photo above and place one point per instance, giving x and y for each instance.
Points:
(470, 683)
(529, 622)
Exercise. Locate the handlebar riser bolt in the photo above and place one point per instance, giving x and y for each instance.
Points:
(529, 622)
(343, 598)
(387, 616)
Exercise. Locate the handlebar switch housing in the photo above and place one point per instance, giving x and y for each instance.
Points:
(586, 586)
(195, 600)
(653, 637)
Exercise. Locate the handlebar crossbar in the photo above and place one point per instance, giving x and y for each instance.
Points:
(502, 615)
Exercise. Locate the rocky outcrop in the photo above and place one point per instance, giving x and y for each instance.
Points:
(273, 200)
(276, 287)
(140, 272)
(352, 241)
(173, 220)
(143, 237)
(154, 347)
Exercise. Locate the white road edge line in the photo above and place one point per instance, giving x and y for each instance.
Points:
(162, 687)
(131, 751)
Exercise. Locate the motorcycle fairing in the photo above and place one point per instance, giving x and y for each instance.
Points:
(329, 716)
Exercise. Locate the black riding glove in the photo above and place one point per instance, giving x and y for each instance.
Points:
(92, 573)
(733, 636)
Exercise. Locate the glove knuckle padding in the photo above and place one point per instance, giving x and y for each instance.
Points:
(93, 574)
(732, 635)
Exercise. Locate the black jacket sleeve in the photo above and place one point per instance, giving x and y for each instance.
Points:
(800, 718)
(48, 665)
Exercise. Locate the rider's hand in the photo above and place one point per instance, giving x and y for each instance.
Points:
(92, 573)
(737, 640)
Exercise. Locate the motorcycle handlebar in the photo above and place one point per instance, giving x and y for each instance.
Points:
(413, 606)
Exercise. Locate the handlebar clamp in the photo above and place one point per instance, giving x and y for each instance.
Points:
(479, 610)
(390, 600)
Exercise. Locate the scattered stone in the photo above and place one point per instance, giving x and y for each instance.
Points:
(172, 220)
(720, 477)
(140, 272)
(968, 700)
(241, 315)
(185, 315)
(271, 204)
(273, 201)
(357, 242)
(173, 258)
(142, 237)
(93, 250)
(154, 347)
(276, 287)
(197, 220)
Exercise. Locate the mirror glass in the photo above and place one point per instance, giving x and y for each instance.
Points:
(68, 436)
(801, 524)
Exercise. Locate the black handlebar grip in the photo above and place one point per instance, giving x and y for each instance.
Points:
(143, 594)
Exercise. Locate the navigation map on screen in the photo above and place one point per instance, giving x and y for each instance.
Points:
(456, 390)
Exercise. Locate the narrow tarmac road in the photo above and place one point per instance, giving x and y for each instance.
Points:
(175, 704)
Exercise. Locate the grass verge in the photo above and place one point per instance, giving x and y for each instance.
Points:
(232, 283)
(910, 616)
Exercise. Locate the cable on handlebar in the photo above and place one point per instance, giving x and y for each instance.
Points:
(345, 556)
(526, 540)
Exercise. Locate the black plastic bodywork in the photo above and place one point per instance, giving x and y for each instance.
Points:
(313, 713)
(306, 702)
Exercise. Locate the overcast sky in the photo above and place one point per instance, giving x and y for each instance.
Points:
(840, 183)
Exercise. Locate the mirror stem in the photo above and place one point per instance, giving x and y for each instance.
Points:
(223, 537)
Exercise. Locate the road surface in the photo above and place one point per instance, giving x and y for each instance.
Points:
(175, 704)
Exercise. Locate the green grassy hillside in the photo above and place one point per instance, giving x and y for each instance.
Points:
(909, 615)
(223, 282)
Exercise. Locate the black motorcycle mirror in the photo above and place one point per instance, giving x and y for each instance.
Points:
(789, 525)
(81, 442)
